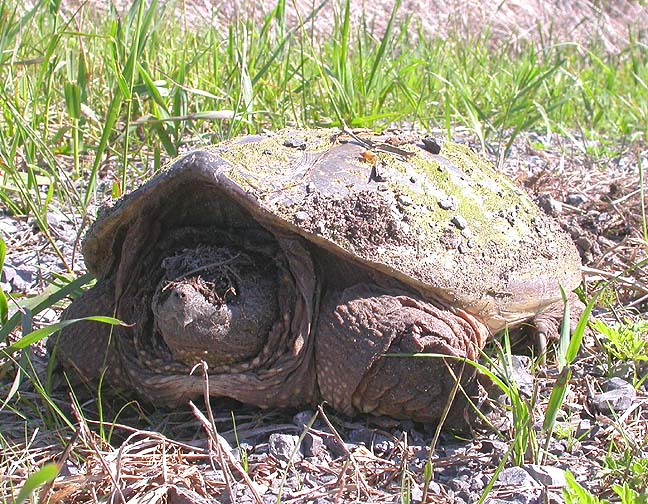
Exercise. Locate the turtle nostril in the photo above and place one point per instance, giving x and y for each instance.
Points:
(215, 303)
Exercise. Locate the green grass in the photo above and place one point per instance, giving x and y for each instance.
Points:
(87, 95)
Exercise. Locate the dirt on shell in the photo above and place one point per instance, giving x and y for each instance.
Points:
(361, 221)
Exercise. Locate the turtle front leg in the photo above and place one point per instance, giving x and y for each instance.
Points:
(86, 349)
(360, 326)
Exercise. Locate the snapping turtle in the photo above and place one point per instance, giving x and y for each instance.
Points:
(292, 263)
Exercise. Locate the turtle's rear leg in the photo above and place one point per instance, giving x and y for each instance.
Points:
(547, 323)
(86, 349)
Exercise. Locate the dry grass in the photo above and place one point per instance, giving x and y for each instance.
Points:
(544, 21)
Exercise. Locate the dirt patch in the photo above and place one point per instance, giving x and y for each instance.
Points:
(362, 220)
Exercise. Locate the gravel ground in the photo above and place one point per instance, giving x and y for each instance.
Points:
(339, 459)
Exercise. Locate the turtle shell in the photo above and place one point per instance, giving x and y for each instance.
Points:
(439, 219)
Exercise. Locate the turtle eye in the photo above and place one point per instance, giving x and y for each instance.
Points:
(199, 313)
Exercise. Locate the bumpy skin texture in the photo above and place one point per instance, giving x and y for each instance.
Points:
(293, 267)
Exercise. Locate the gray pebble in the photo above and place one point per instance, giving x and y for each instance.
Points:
(362, 436)
(576, 199)
(337, 448)
(434, 488)
(523, 379)
(7, 226)
(21, 279)
(618, 397)
(617, 383)
(313, 445)
(302, 418)
(517, 477)
(459, 486)
(448, 203)
(295, 143)
(459, 222)
(404, 200)
(546, 475)
(550, 205)
(282, 446)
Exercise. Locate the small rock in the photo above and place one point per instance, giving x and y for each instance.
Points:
(434, 488)
(20, 279)
(557, 448)
(337, 448)
(618, 398)
(404, 200)
(466, 233)
(177, 494)
(384, 446)
(617, 383)
(459, 222)
(362, 436)
(53, 219)
(546, 475)
(625, 370)
(479, 482)
(416, 494)
(295, 143)
(459, 486)
(282, 446)
(302, 418)
(556, 498)
(517, 477)
(576, 199)
(448, 203)
(493, 446)
(523, 379)
(7, 227)
(301, 216)
(313, 445)
(320, 227)
(584, 427)
(529, 497)
(269, 498)
(431, 145)
(310, 188)
(379, 172)
(48, 316)
(549, 205)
